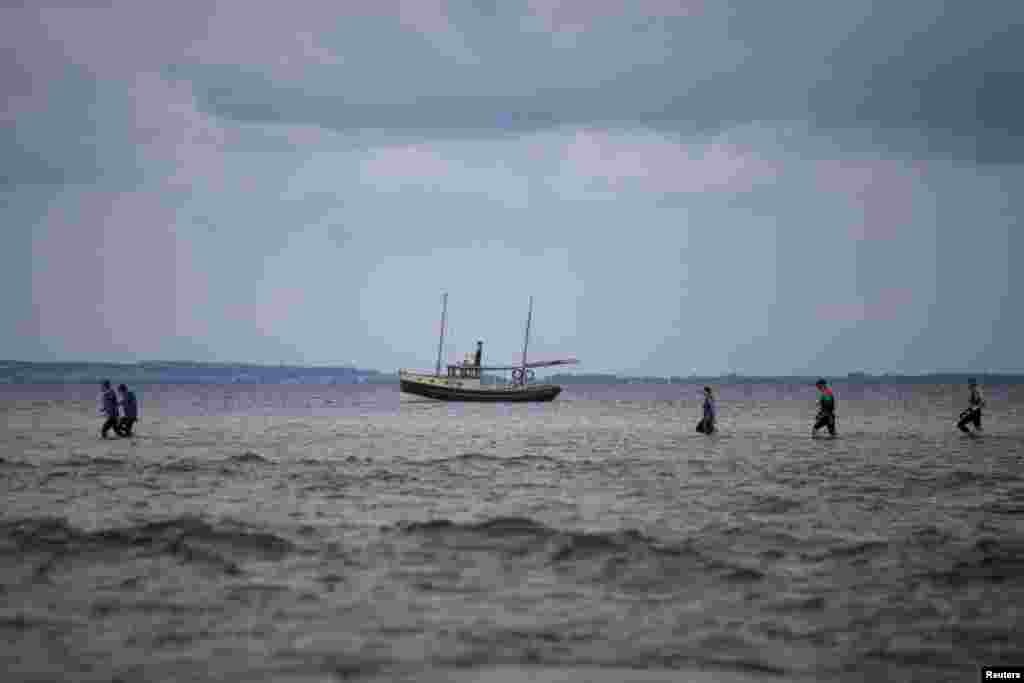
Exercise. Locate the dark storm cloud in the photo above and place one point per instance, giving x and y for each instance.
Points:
(958, 76)
(933, 79)
(430, 116)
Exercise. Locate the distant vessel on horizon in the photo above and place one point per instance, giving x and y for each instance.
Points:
(463, 382)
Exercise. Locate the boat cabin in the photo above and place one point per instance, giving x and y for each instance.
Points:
(464, 371)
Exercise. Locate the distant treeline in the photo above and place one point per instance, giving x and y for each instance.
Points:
(182, 372)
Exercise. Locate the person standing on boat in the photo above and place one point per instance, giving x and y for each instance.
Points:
(826, 409)
(478, 357)
(707, 424)
(972, 414)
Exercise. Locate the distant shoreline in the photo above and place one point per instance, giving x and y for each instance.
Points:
(183, 372)
(188, 372)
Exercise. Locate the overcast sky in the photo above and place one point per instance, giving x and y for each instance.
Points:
(809, 186)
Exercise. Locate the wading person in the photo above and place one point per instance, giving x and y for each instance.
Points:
(108, 406)
(707, 422)
(129, 409)
(826, 409)
(972, 414)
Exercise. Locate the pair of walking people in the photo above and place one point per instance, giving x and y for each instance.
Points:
(826, 411)
(121, 415)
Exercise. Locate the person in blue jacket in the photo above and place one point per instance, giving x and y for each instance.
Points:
(108, 407)
(707, 424)
(130, 408)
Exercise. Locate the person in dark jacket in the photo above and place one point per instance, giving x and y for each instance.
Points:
(707, 423)
(972, 414)
(826, 409)
(479, 356)
(108, 406)
(130, 408)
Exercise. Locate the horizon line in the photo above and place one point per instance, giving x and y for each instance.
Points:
(853, 374)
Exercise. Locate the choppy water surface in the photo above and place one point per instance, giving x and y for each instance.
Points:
(337, 533)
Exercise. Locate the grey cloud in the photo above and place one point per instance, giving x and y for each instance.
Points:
(24, 166)
(76, 137)
(957, 75)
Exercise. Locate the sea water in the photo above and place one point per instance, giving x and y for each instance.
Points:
(345, 533)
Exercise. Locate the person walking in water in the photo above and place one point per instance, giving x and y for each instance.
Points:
(707, 422)
(826, 409)
(108, 407)
(130, 409)
(972, 414)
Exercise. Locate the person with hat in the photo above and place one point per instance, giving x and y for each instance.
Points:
(972, 414)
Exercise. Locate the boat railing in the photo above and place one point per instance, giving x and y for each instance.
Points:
(511, 376)
(518, 377)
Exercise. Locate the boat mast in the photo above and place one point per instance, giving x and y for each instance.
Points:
(526, 339)
(440, 343)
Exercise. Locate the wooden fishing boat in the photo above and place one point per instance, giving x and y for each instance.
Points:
(466, 381)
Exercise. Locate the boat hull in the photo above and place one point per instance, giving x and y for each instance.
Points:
(531, 394)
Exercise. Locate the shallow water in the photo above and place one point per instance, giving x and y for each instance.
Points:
(339, 533)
